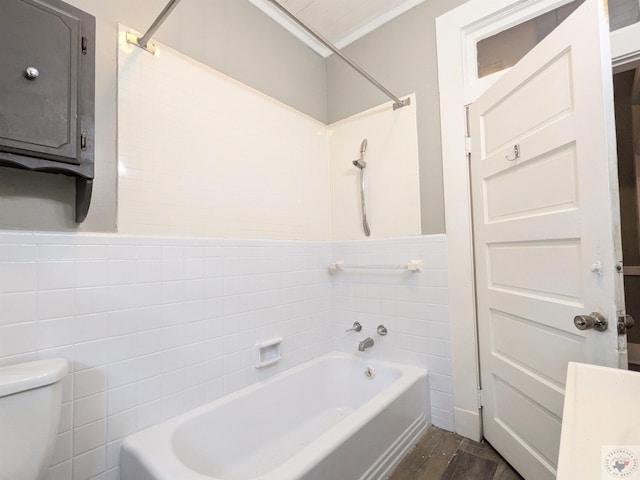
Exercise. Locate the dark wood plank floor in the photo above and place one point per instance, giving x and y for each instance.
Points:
(442, 455)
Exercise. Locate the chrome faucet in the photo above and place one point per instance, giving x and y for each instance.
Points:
(366, 343)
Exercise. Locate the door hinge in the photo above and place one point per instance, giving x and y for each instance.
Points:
(83, 141)
(480, 399)
(85, 45)
(467, 132)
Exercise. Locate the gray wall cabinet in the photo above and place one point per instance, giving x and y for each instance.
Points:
(47, 89)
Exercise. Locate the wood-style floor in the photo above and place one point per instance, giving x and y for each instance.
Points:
(442, 455)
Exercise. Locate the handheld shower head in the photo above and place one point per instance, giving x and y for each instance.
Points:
(360, 163)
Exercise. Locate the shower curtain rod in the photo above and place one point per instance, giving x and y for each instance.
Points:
(143, 41)
(397, 102)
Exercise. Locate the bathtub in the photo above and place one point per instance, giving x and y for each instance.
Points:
(338, 417)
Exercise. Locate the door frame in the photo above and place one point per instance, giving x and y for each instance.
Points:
(457, 33)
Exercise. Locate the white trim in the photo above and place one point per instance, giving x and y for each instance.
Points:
(291, 27)
(377, 22)
(468, 424)
(505, 15)
(456, 31)
(316, 46)
(624, 46)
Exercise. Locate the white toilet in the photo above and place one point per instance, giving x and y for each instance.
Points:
(30, 400)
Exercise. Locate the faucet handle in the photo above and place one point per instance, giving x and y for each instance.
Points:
(382, 330)
(356, 327)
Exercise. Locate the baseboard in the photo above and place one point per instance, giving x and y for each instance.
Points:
(468, 423)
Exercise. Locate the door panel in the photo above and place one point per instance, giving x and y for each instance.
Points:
(515, 339)
(550, 87)
(544, 268)
(538, 423)
(556, 168)
(545, 215)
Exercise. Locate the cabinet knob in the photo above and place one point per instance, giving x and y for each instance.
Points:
(31, 73)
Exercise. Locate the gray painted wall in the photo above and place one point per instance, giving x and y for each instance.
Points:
(231, 36)
(401, 55)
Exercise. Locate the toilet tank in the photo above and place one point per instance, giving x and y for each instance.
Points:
(30, 401)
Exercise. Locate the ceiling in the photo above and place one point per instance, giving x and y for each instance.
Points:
(340, 21)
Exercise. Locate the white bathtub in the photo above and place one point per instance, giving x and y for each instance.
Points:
(323, 420)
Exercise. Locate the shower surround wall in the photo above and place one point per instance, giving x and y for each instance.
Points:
(202, 154)
(412, 305)
(154, 326)
(391, 175)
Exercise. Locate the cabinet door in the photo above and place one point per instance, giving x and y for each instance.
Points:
(39, 107)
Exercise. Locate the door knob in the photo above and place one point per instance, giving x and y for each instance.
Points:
(595, 320)
(625, 322)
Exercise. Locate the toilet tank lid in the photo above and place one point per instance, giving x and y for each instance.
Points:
(26, 376)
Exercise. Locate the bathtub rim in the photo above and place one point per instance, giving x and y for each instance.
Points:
(157, 440)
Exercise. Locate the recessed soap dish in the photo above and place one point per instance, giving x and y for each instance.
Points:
(268, 352)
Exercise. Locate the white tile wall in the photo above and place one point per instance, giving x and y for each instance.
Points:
(204, 155)
(153, 326)
(413, 307)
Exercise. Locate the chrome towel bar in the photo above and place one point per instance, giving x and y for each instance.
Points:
(411, 266)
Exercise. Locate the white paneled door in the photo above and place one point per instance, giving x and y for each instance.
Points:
(546, 233)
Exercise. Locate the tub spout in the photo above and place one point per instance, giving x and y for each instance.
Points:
(366, 343)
